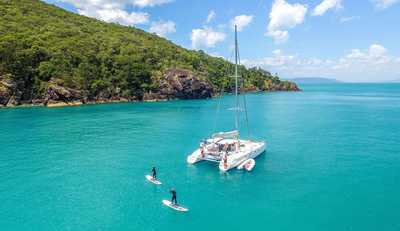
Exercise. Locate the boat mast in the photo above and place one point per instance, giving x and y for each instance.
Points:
(236, 81)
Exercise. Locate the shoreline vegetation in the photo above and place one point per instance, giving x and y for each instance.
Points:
(122, 100)
(52, 57)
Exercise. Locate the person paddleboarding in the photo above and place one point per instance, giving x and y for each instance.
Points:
(173, 204)
(173, 199)
(153, 177)
(153, 170)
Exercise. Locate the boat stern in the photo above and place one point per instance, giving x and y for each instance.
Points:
(194, 157)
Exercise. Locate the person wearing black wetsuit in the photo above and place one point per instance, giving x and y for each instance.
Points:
(154, 172)
(173, 200)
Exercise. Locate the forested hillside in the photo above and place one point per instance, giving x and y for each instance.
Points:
(49, 55)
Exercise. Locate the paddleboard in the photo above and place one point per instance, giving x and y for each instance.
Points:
(175, 207)
(154, 181)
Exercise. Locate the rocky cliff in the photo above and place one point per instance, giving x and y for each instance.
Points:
(174, 84)
(9, 93)
(180, 84)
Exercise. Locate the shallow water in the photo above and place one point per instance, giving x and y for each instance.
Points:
(332, 163)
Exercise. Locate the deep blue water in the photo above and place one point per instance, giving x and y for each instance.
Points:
(332, 163)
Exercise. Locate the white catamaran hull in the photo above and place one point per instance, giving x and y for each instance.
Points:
(194, 157)
(248, 150)
(197, 156)
(238, 158)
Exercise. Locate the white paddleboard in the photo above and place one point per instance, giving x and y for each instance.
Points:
(152, 180)
(175, 207)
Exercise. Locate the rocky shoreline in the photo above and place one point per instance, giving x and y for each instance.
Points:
(174, 84)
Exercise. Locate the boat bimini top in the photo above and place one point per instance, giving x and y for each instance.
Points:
(231, 134)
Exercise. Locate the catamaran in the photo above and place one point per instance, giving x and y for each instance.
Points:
(226, 148)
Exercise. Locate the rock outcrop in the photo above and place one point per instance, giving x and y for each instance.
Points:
(57, 94)
(9, 94)
(287, 86)
(270, 85)
(180, 84)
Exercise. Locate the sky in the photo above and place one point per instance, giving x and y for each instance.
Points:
(349, 40)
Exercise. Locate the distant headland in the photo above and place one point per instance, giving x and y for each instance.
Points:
(314, 80)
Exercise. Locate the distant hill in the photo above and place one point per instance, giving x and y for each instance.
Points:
(51, 56)
(314, 80)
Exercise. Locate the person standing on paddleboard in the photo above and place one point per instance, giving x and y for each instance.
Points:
(173, 200)
(154, 173)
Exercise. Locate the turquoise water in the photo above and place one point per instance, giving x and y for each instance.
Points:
(333, 163)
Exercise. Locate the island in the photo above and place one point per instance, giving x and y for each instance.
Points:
(53, 57)
(314, 80)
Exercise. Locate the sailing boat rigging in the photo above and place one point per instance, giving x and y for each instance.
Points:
(227, 148)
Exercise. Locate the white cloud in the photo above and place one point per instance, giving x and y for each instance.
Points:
(372, 64)
(110, 11)
(383, 4)
(348, 19)
(278, 60)
(284, 16)
(119, 3)
(375, 55)
(326, 5)
(162, 28)
(149, 3)
(116, 15)
(211, 15)
(206, 38)
(241, 21)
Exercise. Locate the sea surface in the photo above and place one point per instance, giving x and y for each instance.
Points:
(332, 163)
